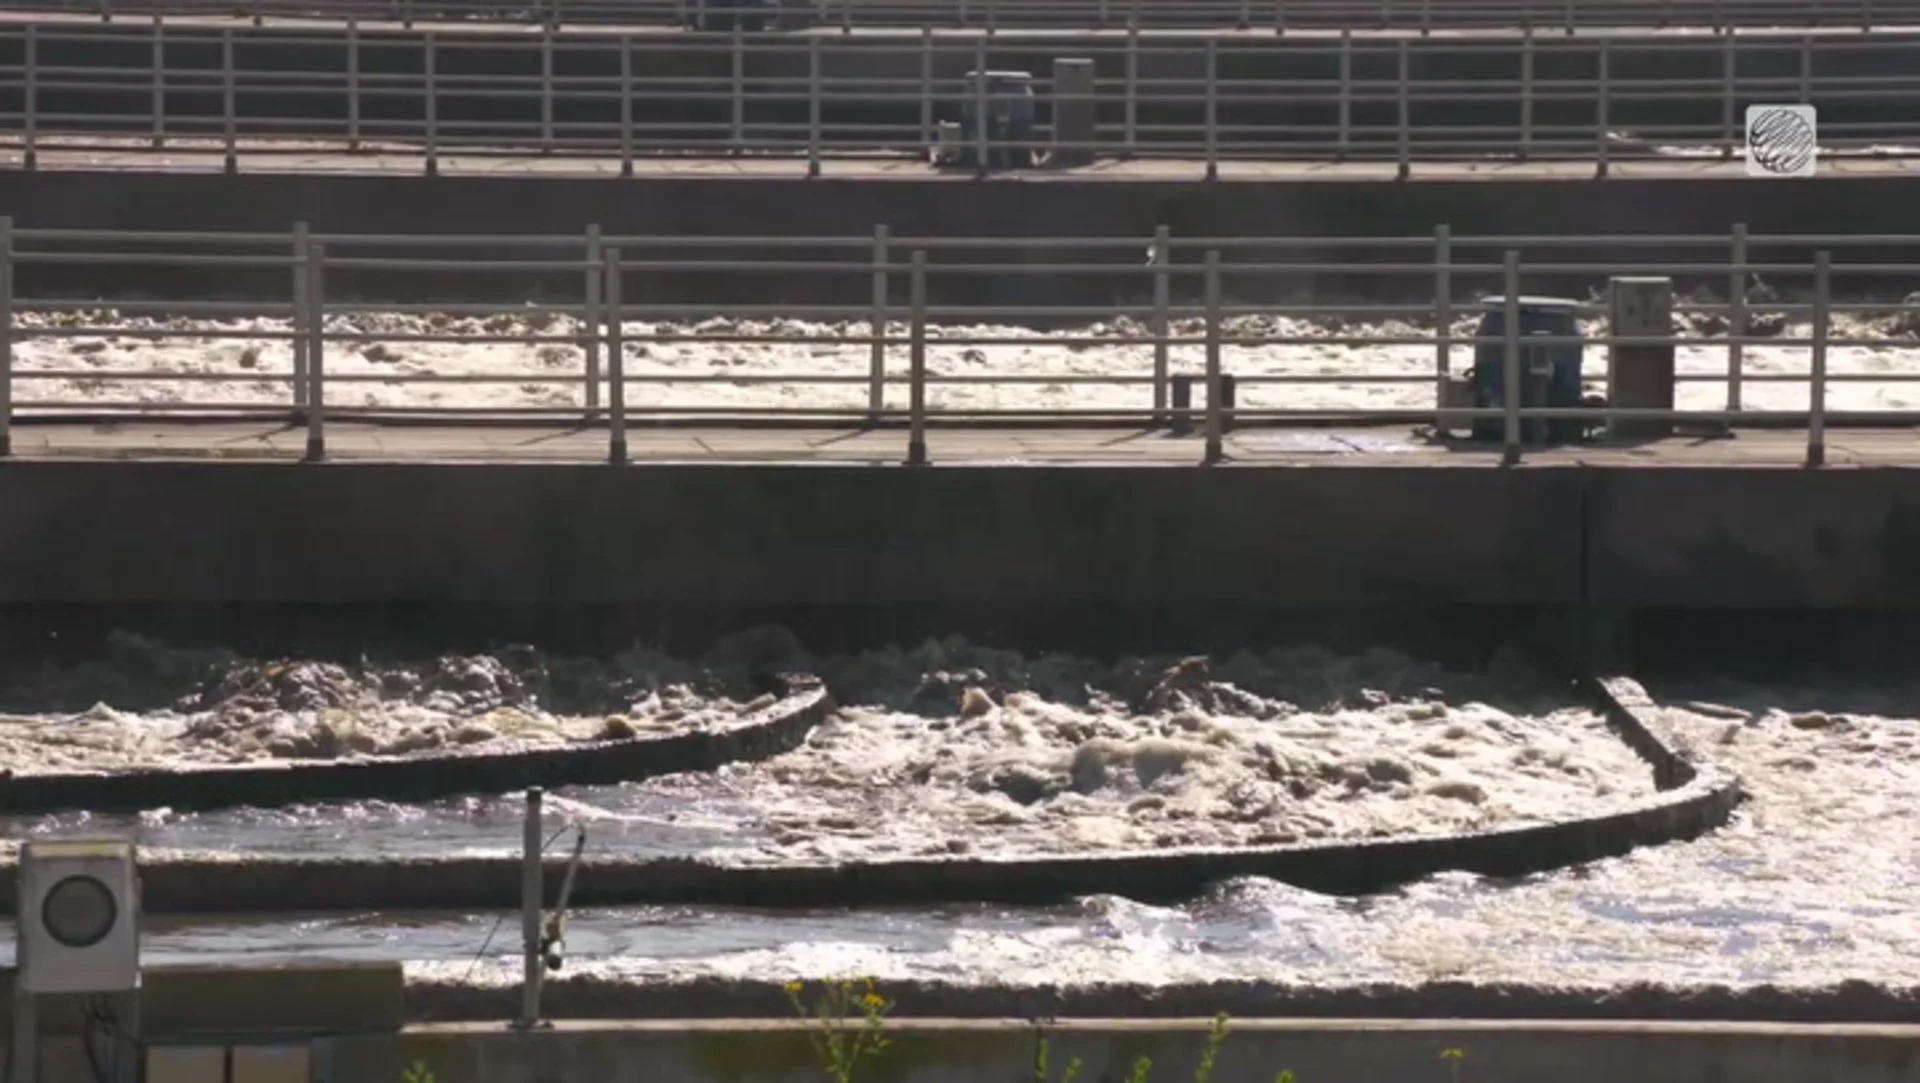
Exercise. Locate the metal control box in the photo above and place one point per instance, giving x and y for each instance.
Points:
(78, 910)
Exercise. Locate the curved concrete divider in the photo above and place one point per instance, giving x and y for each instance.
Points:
(1693, 799)
(775, 729)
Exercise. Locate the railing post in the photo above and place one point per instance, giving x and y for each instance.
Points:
(616, 363)
(1279, 18)
(1729, 67)
(626, 105)
(30, 103)
(1511, 380)
(1526, 92)
(1215, 427)
(1130, 119)
(228, 107)
(6, 342)
(431, 104)
(1213, 109)
(926, 86)
(1602, 108)
(316, 329)
(917, 361)
(594, 320)
(1406, 117)
(813, 106)
(981, 149)
(1817, 390)
(738, 89)
(1346, 94)
(1442, 313)
(159, 83)
(353, 85)
(877, 360)
(1806, 69)
(1159, 323)
(301, 288)
(546, 90)
(1737, 318)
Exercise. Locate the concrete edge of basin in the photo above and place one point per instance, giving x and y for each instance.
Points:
(774, 729)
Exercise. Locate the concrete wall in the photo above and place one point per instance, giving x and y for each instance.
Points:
(714, 538)
(1046, 207)
(1334, 1052)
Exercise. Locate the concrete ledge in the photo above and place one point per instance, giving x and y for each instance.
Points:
(767, 732)
(1338, 1051)
(1686, 808)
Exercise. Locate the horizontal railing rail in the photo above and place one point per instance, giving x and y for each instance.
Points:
(850, 15)
(226, 93)
(1189, 348)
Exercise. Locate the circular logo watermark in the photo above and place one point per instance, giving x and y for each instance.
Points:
(1782, 141)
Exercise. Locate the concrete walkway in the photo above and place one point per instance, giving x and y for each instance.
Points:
(1382, 446)
(112, 153)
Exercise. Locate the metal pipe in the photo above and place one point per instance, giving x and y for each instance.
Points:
(813, 107)
(30, 98)
(431, 104)
(353, 85)
(1442, 312)
(626, 106)
(228, 106)
(1212, 124)
(531, 882)
(159, 83)
(917, 361)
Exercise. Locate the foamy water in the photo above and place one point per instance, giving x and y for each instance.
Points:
(1811, 885)
(252, 367)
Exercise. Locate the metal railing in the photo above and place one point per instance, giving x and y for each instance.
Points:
(1406, 101)
(1180, 334)
(993, 15)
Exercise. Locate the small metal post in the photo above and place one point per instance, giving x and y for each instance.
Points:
(301, 288)
(1215, 452)
(546, 91)
(1737, 318)
(1602, 108)
(1346, 94)
(926, 86)
(1442, 312)
(592, 321)
(25, 1046)
(159, 83)
(616, 363)
(1510, 371)
(1213, 109)
(1406, 119)
(1729, 67)
(980, 108)
(626, 106)
(228, 107)
(532, 868)
(30, 139)
(1806, 69)
(432, 106)
(1159, 323)
(813, 107)
(877, 360)
(6, 362)
(1131, 117)
(1817, 390)
(353, 85)
(316, 353)
(1279, 18)
(1526, 92)
(739, 89)
(1426, 18)
(1244, 22)
(917, 361)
